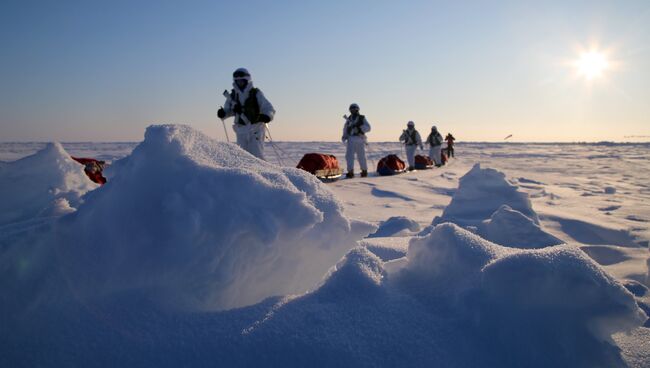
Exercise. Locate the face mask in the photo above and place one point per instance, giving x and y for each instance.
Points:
(241, 83)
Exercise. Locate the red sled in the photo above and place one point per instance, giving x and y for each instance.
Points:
(93, 169)
(325, 167)
(390, 165)
(423, 162)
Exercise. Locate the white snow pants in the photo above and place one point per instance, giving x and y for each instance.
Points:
(251, 138)
(435, 154)
(410, 154)
(356, 145)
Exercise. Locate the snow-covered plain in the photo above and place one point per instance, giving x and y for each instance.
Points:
(197, 254)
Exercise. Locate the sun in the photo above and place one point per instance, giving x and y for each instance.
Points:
(591, 65)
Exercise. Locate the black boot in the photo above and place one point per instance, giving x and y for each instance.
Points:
(411, 168)
(364, 173)
(350, 174)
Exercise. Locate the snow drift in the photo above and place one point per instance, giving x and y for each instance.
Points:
(456, 300)
(396, 226)
(46, 184)
(480, 193)
(192, 222)
(203, 224)
(512, 228)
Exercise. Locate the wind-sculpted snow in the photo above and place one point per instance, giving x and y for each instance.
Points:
(46, 184)
(396, 226)
(513, 229)
(480, 193)
(191, 222)
(456, 300)
(203, 224)
(563, 300)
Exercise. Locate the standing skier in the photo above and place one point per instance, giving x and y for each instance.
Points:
(435, 144)
(450, 144)
(251, 111)
(354, 134)
(411, 139)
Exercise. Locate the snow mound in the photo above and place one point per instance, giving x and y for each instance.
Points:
(202, 224)
(480, 193)
(46, 184)
(388, 248)
(360, 272)
(458, 300)
(554, 298)
(512, 228)
(396, 226)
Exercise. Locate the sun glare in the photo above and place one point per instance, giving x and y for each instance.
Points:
(592, 65)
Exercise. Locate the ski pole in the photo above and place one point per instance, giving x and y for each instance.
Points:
(227, 96)
(224, 129)
(274, 146)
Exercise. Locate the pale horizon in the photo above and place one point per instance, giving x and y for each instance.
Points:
(554, 72)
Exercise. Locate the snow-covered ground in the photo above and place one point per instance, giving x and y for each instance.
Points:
(197, 254)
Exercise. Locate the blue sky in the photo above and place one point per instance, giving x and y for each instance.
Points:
(103, 71)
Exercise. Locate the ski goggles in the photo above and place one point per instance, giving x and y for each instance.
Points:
(240, 75)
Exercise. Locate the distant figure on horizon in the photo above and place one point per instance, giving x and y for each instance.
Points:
(450, 144)
(411, 139)
(434, 140)
(251, 111)
(354, 135)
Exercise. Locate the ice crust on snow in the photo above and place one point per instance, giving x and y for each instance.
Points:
(203, 224)
(48, 183)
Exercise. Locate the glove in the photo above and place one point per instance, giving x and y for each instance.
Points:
(343, 139)
(237, 109)
(264, 118)
(221, 113)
